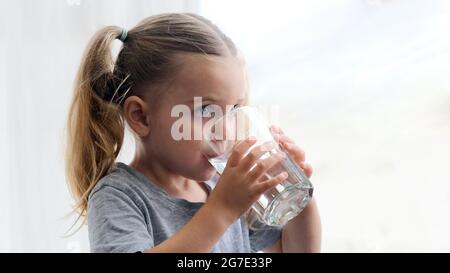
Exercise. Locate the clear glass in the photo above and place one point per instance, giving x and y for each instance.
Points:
(278, 205)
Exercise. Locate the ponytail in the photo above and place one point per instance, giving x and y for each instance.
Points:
(95, 128)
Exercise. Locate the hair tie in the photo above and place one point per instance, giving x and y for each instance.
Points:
(124, 35)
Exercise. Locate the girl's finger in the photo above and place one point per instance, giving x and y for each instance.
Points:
(296, 152)
(276, 133)
(249, 160)
(239, 151)
(276, 129)
(263, 165)
(280, 138)
(260, 188)
(307, 169)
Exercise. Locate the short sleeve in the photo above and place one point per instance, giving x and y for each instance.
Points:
(115, 223)
(264, 237)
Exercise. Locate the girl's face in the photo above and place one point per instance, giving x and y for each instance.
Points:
(220, 81)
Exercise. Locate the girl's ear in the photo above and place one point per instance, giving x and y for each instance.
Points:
(137, 115)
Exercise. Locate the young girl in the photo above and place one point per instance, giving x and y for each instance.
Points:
(166, 200)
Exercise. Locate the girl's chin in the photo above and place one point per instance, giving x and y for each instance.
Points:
(202, 170)
(208, 171)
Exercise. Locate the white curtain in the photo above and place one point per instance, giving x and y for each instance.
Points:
(364, 87)
(41, 43)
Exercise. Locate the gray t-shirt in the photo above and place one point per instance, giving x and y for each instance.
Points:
(129, 213)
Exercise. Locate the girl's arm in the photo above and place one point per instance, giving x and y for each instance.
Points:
(301, 234)
(200, 234)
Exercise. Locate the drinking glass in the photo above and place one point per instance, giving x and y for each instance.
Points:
(278, 205)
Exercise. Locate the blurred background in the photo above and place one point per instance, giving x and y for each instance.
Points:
(363, 86)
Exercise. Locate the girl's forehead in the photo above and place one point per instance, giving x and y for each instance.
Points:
(212, 77)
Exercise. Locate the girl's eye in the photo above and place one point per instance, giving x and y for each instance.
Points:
(235, 106)
(207, 110)
(204, 111)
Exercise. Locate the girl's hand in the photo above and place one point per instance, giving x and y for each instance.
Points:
(240, 185)
(303, 232)
(296, 153)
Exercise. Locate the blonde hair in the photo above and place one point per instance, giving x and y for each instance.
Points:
(96, 126)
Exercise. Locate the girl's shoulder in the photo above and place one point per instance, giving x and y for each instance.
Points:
(121, 178)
